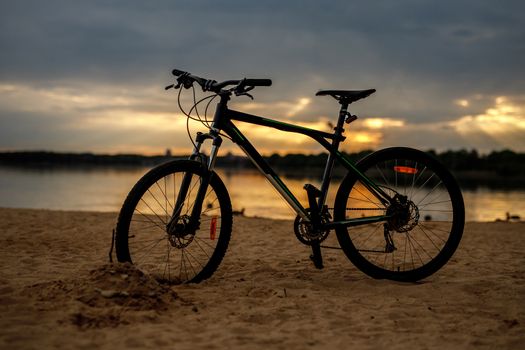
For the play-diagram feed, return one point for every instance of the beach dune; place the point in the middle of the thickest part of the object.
(58, 290)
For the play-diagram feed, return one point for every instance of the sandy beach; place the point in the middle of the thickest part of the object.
(57, 290)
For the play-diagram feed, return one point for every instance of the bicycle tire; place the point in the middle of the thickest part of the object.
(146, 212)
(441, 234)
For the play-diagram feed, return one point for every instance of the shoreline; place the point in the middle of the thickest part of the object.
(470, 180)
(91, 211)
(266, 293)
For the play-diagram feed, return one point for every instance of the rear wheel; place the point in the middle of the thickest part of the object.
(425, 222)
(168, 247)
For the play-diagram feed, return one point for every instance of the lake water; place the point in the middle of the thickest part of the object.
(104, 189)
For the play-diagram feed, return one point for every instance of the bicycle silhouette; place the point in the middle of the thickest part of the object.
(176, 221)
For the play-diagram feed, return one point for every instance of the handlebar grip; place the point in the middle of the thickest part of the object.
(177, 72)
(258, 82)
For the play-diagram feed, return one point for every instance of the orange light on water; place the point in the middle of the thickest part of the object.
(405, 170)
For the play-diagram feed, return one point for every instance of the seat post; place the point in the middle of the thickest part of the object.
(327, 175)
(342, 115)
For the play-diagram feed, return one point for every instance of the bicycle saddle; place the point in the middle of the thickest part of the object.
(346, 96)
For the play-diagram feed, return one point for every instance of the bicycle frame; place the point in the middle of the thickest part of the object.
(223, 122)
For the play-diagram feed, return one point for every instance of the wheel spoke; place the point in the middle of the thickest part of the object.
(416, 243)
(185, 256)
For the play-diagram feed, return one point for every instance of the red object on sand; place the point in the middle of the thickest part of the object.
(213, 228)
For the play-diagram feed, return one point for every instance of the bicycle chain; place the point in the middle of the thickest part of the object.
(366, 209)
(361, 209)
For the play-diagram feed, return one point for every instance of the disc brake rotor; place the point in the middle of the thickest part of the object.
(180, 236)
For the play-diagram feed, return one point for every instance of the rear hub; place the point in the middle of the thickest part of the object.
(403, 213)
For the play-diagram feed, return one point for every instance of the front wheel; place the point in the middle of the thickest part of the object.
(424, 223)
(157, 237)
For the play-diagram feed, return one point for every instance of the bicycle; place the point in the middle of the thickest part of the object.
(398, 213)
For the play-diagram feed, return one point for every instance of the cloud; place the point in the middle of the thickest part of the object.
(97, 58)
(382, 123)
(89, 118)
(503, 124)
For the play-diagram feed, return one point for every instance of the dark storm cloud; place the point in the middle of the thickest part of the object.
(420, 55)
(464, 43)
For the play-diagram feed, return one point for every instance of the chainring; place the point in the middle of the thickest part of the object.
(305, 232)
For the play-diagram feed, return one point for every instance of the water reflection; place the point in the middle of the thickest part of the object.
(104, 189)
(100, 189)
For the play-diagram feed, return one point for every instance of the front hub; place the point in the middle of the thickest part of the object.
(180, 232)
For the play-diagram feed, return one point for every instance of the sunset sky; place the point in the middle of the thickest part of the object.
(90, 75)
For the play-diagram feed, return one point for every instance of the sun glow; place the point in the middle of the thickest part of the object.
(380, 123)
(134, 120)
(364, 140)
(503, 123)
(65, 99)
(274, 109)
(301, 104)
(269, 140)
(106, 118)
(463, 103)
(497, 119)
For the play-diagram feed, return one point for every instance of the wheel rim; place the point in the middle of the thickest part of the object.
(153, 248)
(414, 237)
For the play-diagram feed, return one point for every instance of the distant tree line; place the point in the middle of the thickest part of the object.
(44, 158)
(503, 169)
(498, 168)
(307, 161)
(503, 163)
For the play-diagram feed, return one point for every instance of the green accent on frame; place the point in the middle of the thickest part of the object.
(238, 133)
(285, 124)
(349, 164)
(363, 177)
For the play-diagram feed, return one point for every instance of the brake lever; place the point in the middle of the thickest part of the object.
(184, 81)
(244, 94)
(169, 87)
(244, 91)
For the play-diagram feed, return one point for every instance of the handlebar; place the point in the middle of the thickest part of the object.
(258, 82)
(186, 79)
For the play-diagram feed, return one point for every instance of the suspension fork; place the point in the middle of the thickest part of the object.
(205, 179)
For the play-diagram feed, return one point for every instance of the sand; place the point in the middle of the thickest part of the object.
(57, 290)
